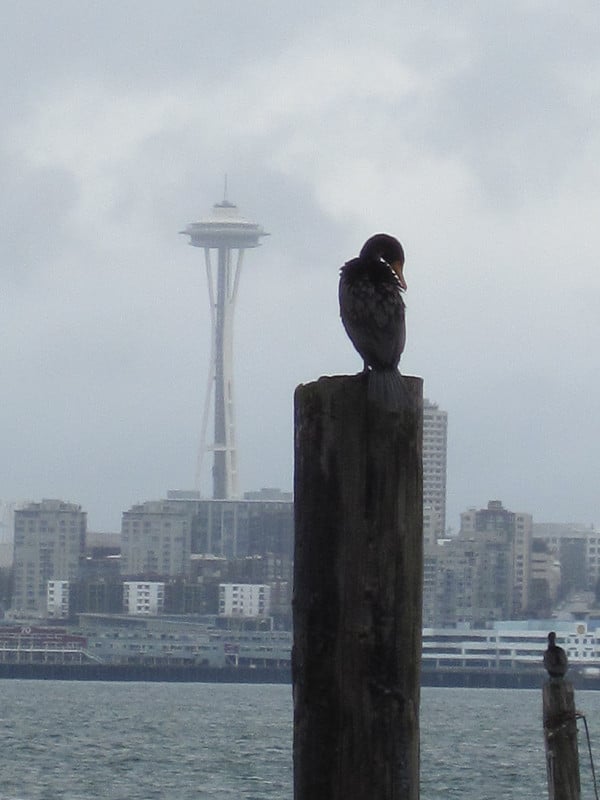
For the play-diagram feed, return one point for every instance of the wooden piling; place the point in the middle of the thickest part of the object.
(560, 738)
(357, 593)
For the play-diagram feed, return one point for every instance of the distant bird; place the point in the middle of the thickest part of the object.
(372, 312)
(555, 658)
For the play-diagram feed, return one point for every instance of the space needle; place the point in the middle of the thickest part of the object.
(230, 235)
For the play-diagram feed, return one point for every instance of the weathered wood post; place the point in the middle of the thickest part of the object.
(560, 738)
(357, 593)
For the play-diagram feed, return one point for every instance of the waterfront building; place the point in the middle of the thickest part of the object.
(276, 571)
(97, 596)
(481, 575)
(162, 537)
(467, 581)
(7, 513)
(6, 587)
(26, 644)
(515, 530)
(186, 641)
(239, 528)
(435, 442)
(266, 568)
(432, 525)
(102, 546)
(49, 542)
(510, 644)
(156, 538)
(209, 568)
(270, 495)
(244, 600)
(545, 578)
(143, 598)
(577, 548)
(58, 600)
(432, 588)
(100, 565)
(187, 596)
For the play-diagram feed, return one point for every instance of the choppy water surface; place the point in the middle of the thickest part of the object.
(140, 741)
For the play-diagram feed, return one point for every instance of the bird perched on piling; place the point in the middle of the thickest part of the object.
(372, 312)
(555, 658)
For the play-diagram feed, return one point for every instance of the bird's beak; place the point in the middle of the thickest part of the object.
(398, 267)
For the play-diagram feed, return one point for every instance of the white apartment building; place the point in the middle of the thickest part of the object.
(435, 438)
(143, 598)
(244, 600)
(57, 603)
(49, 541)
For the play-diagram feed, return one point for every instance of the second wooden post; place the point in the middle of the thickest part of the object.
(560, 737)
(357, 593)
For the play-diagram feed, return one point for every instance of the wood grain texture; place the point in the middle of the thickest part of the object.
(560, 737)
(357, 593)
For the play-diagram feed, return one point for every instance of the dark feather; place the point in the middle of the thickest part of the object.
(555, 658)
(373, 311)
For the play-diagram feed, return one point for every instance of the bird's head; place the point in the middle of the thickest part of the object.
(386, 248)
(552, 638)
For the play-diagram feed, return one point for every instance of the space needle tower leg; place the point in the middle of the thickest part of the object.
(225, 466)
(220, 488)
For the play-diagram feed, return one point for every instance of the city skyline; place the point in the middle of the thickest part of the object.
(470, 132)
(435, 448)
(500, 566)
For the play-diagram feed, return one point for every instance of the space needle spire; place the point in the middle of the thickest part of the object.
(229, 234)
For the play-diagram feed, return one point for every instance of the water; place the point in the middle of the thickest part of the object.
(126, 741)
(136, 741)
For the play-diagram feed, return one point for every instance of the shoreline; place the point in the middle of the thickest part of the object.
(442, 678)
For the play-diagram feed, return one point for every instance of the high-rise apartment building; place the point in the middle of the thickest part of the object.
(545, 578)
(516, 530)
(484, 573)
(156, 538)
(577, 548)
(431, 527)
(159, 537)
(49, 542)
(435, 437)
(467, 580)
(239, 528)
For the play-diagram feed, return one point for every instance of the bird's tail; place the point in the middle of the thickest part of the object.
(387, 389)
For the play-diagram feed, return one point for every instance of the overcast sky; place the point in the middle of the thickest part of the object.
(471, 130)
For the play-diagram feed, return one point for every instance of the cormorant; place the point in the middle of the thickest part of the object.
(555, 658)
(372, 312)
